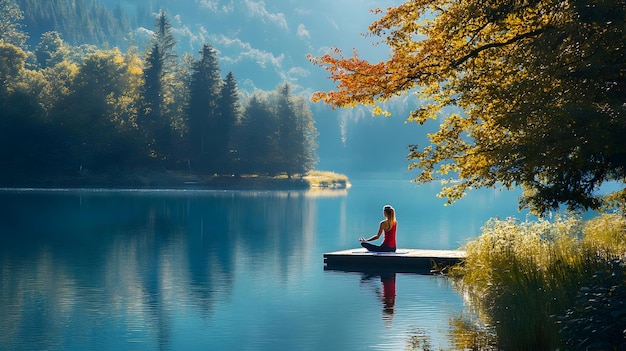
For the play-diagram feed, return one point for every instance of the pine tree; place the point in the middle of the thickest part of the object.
(228, 116)
(255, 141)
(159, 62)
(307, 136)
(151, 113)
(164, 37)
(204, 95)
(289, 145)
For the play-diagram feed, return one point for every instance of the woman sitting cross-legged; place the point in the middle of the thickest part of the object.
(387, 226)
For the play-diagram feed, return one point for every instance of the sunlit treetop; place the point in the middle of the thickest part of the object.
(540, 86)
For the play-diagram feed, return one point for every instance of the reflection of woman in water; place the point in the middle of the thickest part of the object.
(387, 226)
(389, 294)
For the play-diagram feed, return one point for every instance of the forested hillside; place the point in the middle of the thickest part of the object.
(91, 115)
(80, 21)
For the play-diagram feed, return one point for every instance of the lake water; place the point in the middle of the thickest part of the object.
(224, 270)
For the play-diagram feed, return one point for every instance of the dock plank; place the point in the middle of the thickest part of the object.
(409, 260)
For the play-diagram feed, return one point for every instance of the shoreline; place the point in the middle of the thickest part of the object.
(175, 180)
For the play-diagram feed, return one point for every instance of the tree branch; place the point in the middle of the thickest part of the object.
(475, 52)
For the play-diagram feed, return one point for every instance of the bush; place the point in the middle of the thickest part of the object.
(537, 282)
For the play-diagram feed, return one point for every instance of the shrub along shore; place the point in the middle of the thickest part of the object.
(547, 285)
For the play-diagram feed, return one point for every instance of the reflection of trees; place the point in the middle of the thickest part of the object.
(419, 340)
(117, 265)
(467, 334)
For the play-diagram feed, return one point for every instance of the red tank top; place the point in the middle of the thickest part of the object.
(390, 236)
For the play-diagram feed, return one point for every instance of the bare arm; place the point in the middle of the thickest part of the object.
(380, 232)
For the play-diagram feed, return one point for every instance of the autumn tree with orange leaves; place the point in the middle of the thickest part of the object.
(540, 87)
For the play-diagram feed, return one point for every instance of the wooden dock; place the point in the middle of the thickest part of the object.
(403, 260)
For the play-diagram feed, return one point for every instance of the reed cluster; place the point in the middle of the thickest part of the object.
(550, 284)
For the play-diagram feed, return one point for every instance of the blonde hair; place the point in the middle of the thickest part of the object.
(390, 212)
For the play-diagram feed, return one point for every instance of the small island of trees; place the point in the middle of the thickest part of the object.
(87, 116)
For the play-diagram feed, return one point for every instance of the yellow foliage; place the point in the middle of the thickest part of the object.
(379, 111)
(511, 69)
(12, 61)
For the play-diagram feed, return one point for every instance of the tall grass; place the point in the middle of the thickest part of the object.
(535, 282)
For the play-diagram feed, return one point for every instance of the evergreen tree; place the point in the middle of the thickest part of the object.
(289, 142)
(296, 134)
(256, 137)
(159, 63)
(151, 116)
(204, 95)
(296, 143)
(228, 116)
(164, 37)
(307, 134)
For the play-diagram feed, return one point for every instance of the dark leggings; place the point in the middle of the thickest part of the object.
(376, 248)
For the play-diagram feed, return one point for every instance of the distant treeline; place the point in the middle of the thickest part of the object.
(80, 21)
(80, 110)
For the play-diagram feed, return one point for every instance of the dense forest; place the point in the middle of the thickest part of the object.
(75, 112)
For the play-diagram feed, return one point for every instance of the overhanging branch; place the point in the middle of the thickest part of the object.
(475, 52)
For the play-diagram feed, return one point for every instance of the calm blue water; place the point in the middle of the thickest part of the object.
(223, 270)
